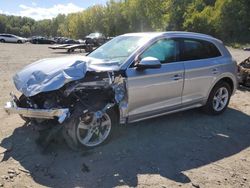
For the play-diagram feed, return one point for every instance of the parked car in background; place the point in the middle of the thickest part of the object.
(128, 79)
(42, 40)
(12, 38)
(64, 40)
(97, 39)
(71, 41)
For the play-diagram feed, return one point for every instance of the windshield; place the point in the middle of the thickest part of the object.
(118, 49)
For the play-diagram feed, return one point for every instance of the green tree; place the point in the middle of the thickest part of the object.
(226, 19)
(3, 20)
(25, 31)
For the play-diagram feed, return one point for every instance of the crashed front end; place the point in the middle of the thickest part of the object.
(56, 94)
(59, 104)
(12, 107)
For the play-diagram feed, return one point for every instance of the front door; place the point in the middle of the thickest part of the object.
(152, 92)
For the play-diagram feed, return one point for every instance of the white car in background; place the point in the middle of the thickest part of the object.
(12, 38)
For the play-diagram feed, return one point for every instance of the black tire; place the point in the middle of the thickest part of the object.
(209, 107)
(71, 138)
(19, 42)
(22, 103)
(2, 40)
(71, 50)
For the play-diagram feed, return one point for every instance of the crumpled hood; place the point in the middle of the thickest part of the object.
(53, 73)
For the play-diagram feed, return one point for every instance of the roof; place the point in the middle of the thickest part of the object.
(173, 34)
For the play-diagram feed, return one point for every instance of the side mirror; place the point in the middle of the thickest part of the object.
(149, 63)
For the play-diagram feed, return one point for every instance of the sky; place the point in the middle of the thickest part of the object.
(45, 9)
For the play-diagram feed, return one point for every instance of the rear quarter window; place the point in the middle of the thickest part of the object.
(193, 49)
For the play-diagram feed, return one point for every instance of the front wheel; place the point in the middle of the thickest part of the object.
(71, 50)
(218, 99)
(89, 131)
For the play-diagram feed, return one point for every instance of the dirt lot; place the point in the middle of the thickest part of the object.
(188, 149)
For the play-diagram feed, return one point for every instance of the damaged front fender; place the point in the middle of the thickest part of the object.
(119, 87)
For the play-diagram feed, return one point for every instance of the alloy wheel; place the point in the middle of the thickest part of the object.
(220, 99)
(92, 132)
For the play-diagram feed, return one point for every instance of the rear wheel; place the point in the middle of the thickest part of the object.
(2, 40)
(218, 99)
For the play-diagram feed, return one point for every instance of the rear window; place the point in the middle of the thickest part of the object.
(7, 36)
(198, 49)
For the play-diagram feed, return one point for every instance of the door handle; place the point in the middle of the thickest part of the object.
(176, 77)
(215, 71)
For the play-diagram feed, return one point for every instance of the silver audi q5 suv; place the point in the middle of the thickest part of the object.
(130, 78)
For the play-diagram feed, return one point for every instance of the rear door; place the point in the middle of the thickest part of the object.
(155, 91)
(6, 38)
(10, 38)
(201, 64)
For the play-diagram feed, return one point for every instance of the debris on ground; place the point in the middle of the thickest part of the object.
(85, 168)
(244, 72)
(195, 185)
(24, 170)
(11, 174)
(246, 49)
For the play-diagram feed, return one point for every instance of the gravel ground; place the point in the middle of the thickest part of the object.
(187, 149)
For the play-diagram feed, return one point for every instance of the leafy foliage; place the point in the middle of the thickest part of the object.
(226, 19)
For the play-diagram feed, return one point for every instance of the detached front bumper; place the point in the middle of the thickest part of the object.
(12, 108)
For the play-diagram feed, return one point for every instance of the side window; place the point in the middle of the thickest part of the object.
(165, 50)
(212, 50)
(197, 49)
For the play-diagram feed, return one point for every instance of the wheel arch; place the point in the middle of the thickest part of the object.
(228, 78)
(229, 81)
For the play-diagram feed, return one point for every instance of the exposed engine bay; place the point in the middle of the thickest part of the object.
(94, 93)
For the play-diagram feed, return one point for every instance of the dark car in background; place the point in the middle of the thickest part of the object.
(64, 40)
(71, 41)
(42, 40)
(97, 39)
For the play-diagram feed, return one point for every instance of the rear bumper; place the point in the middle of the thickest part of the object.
(61, 114)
